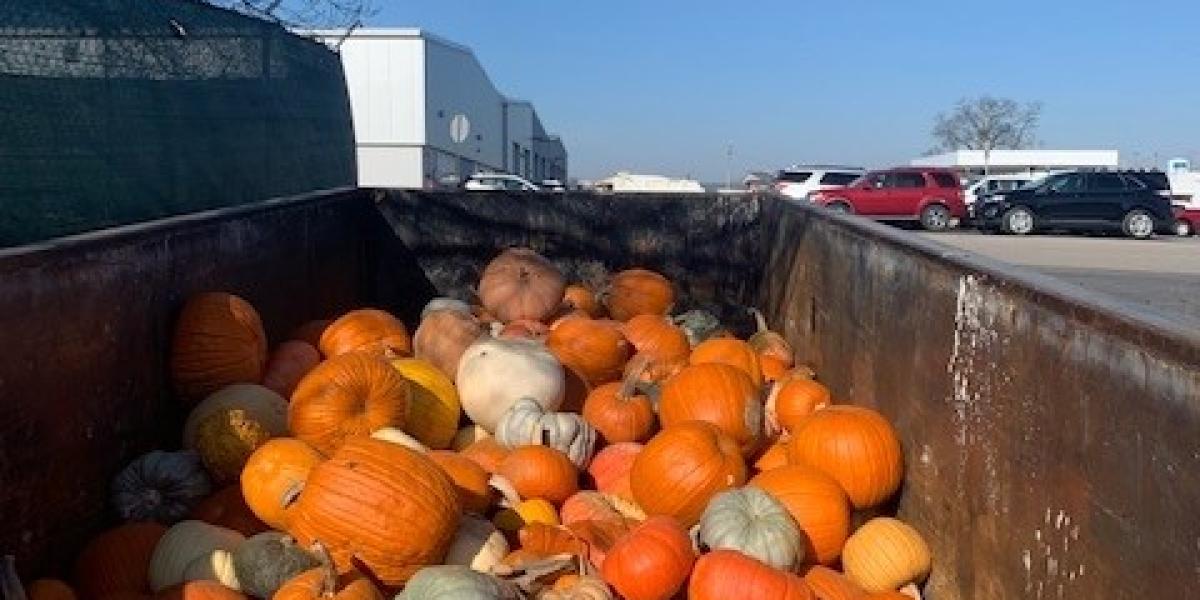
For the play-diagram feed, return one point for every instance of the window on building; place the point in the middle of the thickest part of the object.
(516, 158)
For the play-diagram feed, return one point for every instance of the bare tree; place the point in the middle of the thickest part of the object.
(987, 123)
(306, 14)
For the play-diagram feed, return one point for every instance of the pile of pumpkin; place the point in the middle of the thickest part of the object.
(550, 443)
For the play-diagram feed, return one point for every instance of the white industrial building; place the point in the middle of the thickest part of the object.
(426, 114)
(974, 162)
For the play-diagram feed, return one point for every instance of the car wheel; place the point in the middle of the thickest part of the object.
(935, 217)
(840, 206)
(1138, 224)
(1183, 228)
(1017, 220)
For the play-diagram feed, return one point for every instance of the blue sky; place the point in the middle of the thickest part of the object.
(664, 86)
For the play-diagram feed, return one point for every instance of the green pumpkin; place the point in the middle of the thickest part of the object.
(458, 582)
(752, 522)
(264, 562)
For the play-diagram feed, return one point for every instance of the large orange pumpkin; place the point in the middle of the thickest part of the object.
(792, 399)
(651, 562)
(378, 505)
(619, 413)
(683, 467)
(117, 560)
(817, 504)
(289, 363)
(485, 452)
(540, 472)
(828, 584)
(594, 348)
(854, 445)
(521, 284)
(199, 590)
(366, 329)
(469, 478)
(725, 574)
(228, 509)
(729, 351)
(639, 292)
(718, 394)
(611, 467)
(320, 584)
(349, 395)
(274, 476)
(579, 297)
(218, 340)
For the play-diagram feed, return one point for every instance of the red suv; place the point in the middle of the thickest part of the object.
(932, 196)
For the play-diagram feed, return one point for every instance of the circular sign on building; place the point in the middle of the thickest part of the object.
(460, 128)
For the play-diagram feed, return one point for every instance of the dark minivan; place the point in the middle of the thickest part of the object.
(1136, 203)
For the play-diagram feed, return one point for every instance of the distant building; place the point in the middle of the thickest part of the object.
(630, 182)
(971, 162)
(426, 114)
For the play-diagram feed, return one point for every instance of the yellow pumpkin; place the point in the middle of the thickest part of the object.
(434, 408)
(885, 554)
(534, 510)
(226, 439)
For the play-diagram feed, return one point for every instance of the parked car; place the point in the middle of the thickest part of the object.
(553, 185)
(932, 196)
(497, 182)
(798, 182)
(1187, 220)
(995, 184)
(1127, 201)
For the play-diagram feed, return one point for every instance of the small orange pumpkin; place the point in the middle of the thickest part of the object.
(792, 399)
(817, 504)
(854, 445)
(657, 338)
(579, 297)
(619, 413)
(540, 472)
(350, 395)
(775, 355)
(719, 394)
(774, 457)
(594, 348)
(651, 562)
(274, 476)
(218, 340)
(611, 466)
(683, 467)
(366, 329)
(729, 351)
(469, 478)
(639, 292)
(322, 583)
(485, 452)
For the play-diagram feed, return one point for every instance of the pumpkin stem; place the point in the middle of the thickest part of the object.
(633, 375)
(759, 319)
(511, 499)
(329, 579)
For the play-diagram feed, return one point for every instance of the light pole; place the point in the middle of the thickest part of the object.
(729, 166)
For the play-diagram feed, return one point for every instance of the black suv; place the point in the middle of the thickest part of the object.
(1137, 203)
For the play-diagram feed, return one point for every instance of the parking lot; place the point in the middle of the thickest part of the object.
(1162, 274)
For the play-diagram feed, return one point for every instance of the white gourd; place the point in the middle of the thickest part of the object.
(494, 373)
(527, 424)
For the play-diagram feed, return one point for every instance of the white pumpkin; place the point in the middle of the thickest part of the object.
(215, 566)
(478, 544)
(397, 436)
(441, 582)
(181, 545)
(750, 521)
(444, 303)
(494, 373)
(527, 424)
(265, 406)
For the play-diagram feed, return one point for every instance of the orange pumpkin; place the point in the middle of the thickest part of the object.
(521, 284)
(773, 369)
(588, 505)
(378, 505)
(828, 584)
(199, 590)
(579, 297)
(289, 363)
(683, 467)
(657, 338)
(652, 562)
(321, 584)
(724, 574)
(228, 509)
(540, 472)
(817, 504)
(619, 413)
(368, 330)
(49, 589)
(117, 560)
(792, 399)
(310, 332)
(774, 353)
(854, 445)
(274, 476)
(715, 393)
(469, 478)
(611, 467)
(888, 595)
(774, 457)
(599, 536)
(218, 340)
(729, 351)
(548, 540)
(443, 336)
(595, 348)
(639, 292)
(485, 452)
(349, 395)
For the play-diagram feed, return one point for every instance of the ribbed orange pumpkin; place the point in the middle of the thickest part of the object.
(715, 393)
(49, 589)
(725, 574)
(228, 509)
(218, 340)
(380, 505)
(349, 395)
(117, 560)
(310, 332)
(469, 478)
(594, 348)
(854, 445)
(619, 413)
(828, 584)
(548, 540)
(792, 399)
(199, 590)
(485, 452)
(521, 284)
(652, 562)
(683, 467)
(289, 363)
(580, 297)
(817, 504)
(540, 472)
(774, 457)
(729, 351)
(657, 338)
(368, 330)
(639, 292)
(319, 584)
(589, 505)
(611, 467)
(274, 476)
(443, 336)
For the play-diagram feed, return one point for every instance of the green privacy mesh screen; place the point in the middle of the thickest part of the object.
(119, 111)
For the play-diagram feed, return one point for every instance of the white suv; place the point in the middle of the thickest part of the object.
(493, 182)
(799, 181)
